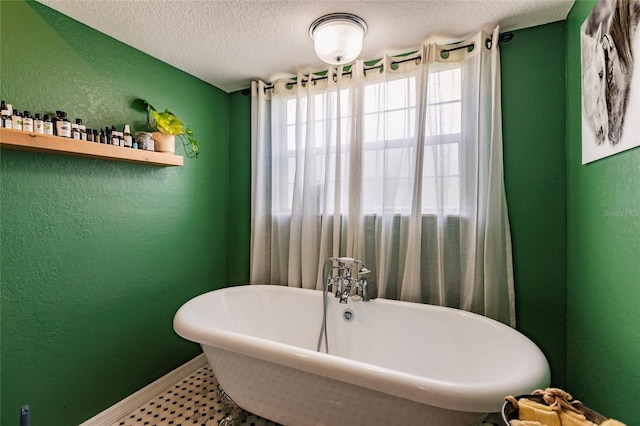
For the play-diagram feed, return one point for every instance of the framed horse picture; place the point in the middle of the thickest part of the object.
(610, 44)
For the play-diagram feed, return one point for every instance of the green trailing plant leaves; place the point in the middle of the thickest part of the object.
(167, 123)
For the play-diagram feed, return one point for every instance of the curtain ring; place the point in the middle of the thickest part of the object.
(418, 60)
(488, 43)
(335, 77)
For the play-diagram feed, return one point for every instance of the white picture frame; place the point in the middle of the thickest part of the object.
(610, 77)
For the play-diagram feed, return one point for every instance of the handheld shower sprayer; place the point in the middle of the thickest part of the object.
(351, 261)
(363, 270)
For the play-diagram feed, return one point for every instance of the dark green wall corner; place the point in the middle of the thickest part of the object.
(575, 263)
(239, 187)
(533, 92)
(97, 256)
(603, 271)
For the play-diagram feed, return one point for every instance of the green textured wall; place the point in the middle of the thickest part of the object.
(533, 110)
(603, 284)
(97, 256)
(239, 187)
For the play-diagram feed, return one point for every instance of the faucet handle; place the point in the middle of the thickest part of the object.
(363, 289)
(344, 297)
(338, 284)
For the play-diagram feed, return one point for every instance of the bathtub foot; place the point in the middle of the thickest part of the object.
(232, 413)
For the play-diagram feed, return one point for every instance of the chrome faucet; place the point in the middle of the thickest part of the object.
(341, 282)
(344, 297)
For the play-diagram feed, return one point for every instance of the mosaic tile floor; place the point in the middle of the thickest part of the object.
(194, 400)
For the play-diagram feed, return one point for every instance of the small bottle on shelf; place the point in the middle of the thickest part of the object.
(115, 140)
(5, 116)
(126, 137)
(82, 129)
(17, 119)
(38, 124)
(48, 125)
(56, 118)
(63, 126)
(75, 131)
(27, 121)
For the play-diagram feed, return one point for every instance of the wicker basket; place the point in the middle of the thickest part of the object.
(509, 412)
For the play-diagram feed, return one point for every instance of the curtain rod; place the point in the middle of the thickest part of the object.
(504, 37)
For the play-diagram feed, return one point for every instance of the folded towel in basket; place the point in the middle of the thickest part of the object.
(534, 411)
(516, 422)
(570, 418)
(560, 411)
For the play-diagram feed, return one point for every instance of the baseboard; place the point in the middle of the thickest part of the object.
(139, 398)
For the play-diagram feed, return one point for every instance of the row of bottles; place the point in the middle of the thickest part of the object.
(14, 119)
(60, 125)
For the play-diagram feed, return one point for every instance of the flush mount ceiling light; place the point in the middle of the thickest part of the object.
(337, 37)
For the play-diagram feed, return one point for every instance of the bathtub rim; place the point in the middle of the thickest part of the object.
(472, 397)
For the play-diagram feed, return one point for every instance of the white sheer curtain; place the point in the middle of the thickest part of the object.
(399, 166)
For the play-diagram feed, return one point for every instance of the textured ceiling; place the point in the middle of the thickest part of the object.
(230, 42)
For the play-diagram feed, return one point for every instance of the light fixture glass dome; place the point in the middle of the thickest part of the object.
(337, 37)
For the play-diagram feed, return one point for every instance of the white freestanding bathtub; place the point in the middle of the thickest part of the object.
(394, 363)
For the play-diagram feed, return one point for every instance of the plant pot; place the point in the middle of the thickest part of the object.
(164, 143)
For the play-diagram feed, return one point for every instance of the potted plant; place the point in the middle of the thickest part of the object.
(166, 126)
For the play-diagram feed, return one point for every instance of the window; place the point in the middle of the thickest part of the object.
(388, 137)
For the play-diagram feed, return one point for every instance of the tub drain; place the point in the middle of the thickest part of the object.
(348, 315)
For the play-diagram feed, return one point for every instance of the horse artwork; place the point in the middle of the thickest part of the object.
(609, 43)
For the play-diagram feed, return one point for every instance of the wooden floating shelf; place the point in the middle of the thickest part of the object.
(36, 142)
